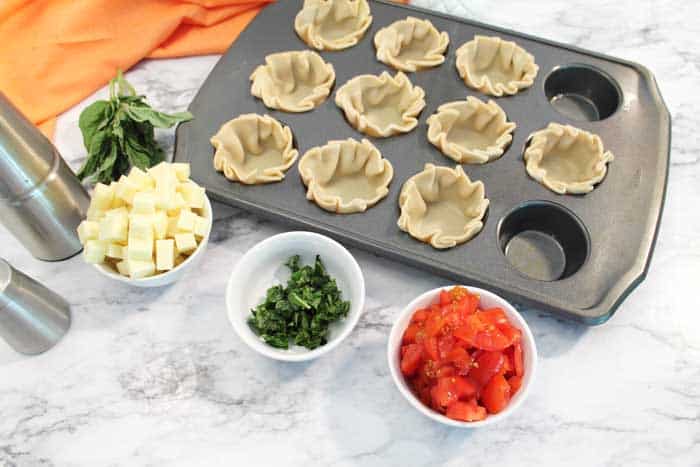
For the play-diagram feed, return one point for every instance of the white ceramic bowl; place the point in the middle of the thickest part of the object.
(174, 274)
(263, 266)
(488, 300)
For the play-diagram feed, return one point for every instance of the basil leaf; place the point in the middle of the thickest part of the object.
(105, 170)
(119, 133)
(92, 119)
(155, 118)
(138, 155)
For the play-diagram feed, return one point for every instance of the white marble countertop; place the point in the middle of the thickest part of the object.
(157, 377)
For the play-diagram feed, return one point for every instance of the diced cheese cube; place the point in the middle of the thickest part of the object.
(186, 220)
(116, 251)
(94, 214)
(163, 173)
(175, 204)
(102, 197)
(88, 230)
(164, 196)
(165, 254)
(140, 249)
(95, 251)
(123, 268)
(192, 193)
(125, 190)
(144, 203)
(172, 227)
(201, 226)
(141, 269)
(141, 179)
(121, 212)
(182, 171)
(141, 227)
(116, 201)
(114, 228)
(160, 225)
(185, 242)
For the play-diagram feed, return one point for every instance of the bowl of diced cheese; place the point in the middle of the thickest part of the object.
(147, 228)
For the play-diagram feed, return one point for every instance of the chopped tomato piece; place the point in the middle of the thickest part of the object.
(445, 297)
(496, 394)
(420, 315)
(468, 331)
(445, 371)
(494, 316)
(507, 368)
(444, 392)
(433, 325)
(445, 345)
(431, 348)
(411, 359)
(461, 359)
(465, 387)
(420, 336)
(515, 382)
(486, 366)
(465, 412)
(457, 293)
(409, 336)
(491, 338)
(451, 319)
(467, 305)
(430, 370)
(518, 359)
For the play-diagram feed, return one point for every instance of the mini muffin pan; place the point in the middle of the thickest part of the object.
(575, 256)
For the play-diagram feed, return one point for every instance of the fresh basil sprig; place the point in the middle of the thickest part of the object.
(119, 133)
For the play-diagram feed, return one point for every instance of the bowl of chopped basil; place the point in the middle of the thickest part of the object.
(295, 296)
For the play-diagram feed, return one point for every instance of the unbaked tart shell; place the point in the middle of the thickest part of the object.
(411, 44)
(381, 106)
(566, 159)
(442, 206)
(495, 66)
(345, 176)
(333, 24)
(294, 81)
(470, 131)
(253, 149)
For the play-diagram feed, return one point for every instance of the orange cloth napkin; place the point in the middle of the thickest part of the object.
(55, 53)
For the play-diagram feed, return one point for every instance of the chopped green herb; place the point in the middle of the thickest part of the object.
(301, 312)
(118, 133)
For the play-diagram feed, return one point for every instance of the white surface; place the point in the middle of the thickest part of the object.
(264, 266)
(176, 273)
(487, 300)
(156, 376)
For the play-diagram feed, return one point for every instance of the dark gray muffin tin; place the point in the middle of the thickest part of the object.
(575, 256)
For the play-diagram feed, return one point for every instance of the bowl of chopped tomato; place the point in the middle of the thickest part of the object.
(462, 356)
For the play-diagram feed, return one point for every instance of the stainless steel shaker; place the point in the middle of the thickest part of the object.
(41, 200)
(32, 318)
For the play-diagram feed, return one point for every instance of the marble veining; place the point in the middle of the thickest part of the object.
(157, 377)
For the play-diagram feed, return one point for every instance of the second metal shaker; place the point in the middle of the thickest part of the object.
(32, 318)
(41, 200)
